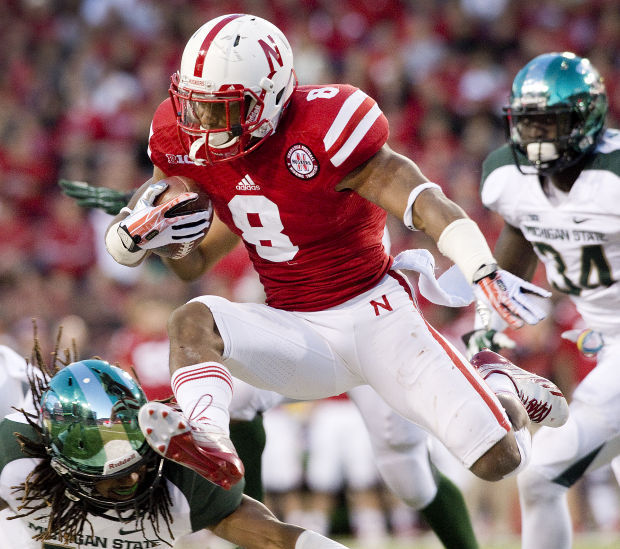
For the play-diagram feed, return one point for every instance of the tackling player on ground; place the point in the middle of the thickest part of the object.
(77, 470)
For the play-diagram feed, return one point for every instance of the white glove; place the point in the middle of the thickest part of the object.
(149, 226)
(516, 300)
(589, 342)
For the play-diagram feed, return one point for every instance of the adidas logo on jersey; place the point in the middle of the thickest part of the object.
(246, 184)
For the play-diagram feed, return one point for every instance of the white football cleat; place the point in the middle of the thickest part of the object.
(544, 402)
(210, 454)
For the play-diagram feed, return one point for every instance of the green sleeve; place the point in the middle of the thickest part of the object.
(208, 503)
(249, 440)
(609, 161)
(9, 447)
(496, 159)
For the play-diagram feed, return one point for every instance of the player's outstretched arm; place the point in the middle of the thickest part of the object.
(395, 183)
(254, 526)
(89, 196)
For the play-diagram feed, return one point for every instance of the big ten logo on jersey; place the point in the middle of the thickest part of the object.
(178, 159)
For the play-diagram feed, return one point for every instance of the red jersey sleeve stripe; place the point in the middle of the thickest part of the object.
(355, 117)
(356, 136)
(343, 118)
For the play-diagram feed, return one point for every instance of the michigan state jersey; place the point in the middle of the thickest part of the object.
(196, 503)
(576, 234)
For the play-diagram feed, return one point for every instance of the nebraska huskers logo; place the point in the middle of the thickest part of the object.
(301, 162)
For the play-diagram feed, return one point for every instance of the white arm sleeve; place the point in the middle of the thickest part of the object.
(463, 242)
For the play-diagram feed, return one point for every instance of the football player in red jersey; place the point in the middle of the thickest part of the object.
(303, 175)
(400, 447)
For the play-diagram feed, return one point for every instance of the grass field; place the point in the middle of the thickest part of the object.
(589, 541)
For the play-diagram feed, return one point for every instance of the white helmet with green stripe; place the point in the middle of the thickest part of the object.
(90, 421)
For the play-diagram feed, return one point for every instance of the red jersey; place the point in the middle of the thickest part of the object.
(313, 247)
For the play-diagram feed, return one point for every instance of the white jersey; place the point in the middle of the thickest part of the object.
(576, 235)
(196, 504)
(106, 532)
(13, 380)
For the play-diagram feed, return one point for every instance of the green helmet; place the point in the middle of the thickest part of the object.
(90, 422)
(558, 89)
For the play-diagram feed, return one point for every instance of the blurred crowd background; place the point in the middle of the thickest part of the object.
(80, 80)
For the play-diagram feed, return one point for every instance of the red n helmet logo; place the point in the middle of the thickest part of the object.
(271, 53)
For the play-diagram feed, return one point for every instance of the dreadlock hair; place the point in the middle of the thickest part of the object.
(44, 489)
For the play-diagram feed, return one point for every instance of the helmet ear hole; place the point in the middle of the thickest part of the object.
(279, 96)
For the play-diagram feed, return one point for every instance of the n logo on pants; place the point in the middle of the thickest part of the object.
(385, 305)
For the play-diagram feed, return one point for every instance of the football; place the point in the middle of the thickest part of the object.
(177, 185)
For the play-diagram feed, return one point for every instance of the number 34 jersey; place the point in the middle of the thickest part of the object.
(576, 235)
(312, 246)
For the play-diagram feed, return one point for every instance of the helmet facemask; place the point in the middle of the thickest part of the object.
(551, 139)
(82, 486)
(213, 123)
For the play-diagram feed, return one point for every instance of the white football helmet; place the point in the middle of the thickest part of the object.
(235, 80)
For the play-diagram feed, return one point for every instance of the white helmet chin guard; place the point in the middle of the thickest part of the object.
(236, 78)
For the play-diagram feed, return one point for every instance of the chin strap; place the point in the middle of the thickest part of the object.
(195, 147)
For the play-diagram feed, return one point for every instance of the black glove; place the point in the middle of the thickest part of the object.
(87, 196)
